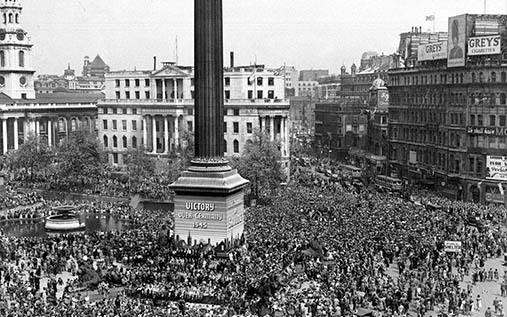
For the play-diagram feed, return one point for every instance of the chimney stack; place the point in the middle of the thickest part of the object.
(232, 59)
(154, 63)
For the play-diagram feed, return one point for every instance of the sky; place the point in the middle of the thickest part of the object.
(307, 34)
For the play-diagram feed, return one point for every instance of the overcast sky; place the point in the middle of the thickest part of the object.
(316, 34)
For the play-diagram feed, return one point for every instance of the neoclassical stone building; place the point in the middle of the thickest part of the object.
(153, 108)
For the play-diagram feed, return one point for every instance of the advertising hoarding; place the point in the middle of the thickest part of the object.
(484, 45)
(456, 41)
(433, 51)
(496, 167)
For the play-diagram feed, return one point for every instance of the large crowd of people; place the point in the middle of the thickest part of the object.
(318, 249)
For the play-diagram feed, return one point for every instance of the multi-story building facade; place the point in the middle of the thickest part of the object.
(447, 112)
(153, 108)
(23, 112)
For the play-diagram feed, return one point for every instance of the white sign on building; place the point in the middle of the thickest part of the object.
(433, 51)
(496, 167)
(484, 45)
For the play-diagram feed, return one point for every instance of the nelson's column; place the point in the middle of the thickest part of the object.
(208, 205)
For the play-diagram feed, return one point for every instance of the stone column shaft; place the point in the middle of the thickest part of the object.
(154, 133)
(209, 86)
(176, 133)
(145, 134)
(16, 137)
(50, 133)
(166, 135)
(4, 136)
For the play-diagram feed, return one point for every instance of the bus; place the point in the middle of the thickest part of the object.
(351, 171)
(383, 182)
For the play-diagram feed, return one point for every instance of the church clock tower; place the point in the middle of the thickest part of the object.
(16, 73)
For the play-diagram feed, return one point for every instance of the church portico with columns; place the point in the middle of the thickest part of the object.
(50, 123)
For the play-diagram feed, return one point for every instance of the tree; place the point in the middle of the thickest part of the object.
(139, 166)
(260, 164)
(79, 159)
(31, 157)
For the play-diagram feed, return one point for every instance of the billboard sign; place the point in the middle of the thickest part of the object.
(484, 45)
(496, 167)
(452, 246)
(456, 41)
(433, 51)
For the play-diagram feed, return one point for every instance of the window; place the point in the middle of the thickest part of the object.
(479, 120)
(115, 158)
(502, 120)
(21, 59)
(225, 146)
(147, 95)
(114, 125)
(134, 111)
(249, 128)
(190, 112)
(259, 94)
(138, 95)
(115, 141)
(271, 94)
(472, 119)
(136, 81)
(73, 124)
(127, 94)
(227, 94)
(134, 125)
(259, 81)
(227, 81)
(192, 82)
(235, 127)
(271, 81)
(118, 95)
(2, 58)
(493, 77)
(104, 124)
(115, 110)
(124, 142)
(250, 94)
(236, 146)
(492, 120)
(190, 126)
(124, 125)
(503, 77)
(147, 82)
(117, 83)
(127, 82)
(502, 99)
(225, 127)
(105, 141)
(124, 110)
(134, 142)
(236, 112)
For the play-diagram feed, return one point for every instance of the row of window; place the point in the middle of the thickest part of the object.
(119, 110)
(443, 98)
(137, 82)
(251, 80)
(227, 81)
(123, 125)
(453, 118)
(453, 78)
(21, 58)
(235, 127)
